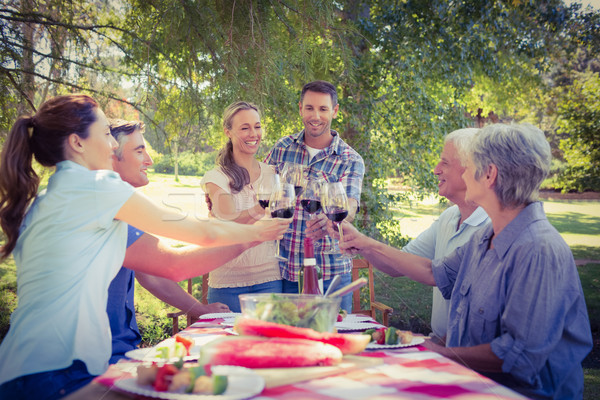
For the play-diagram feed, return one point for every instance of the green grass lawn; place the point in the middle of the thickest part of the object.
(578, 222)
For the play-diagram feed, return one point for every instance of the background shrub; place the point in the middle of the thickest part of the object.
(190, 163)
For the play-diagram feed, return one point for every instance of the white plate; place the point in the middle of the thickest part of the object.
(357, 318)
(150, 353)
(242, 384)
(356, 326)
(219, 315)
(374, 346)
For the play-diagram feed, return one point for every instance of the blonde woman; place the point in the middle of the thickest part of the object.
(232, 190)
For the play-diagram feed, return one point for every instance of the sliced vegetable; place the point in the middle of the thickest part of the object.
(391, 337)
(162, 352)
(379, 336)
(195, 373)
(219, 384)
(187, 343)
(369, 332)
(163, 377)
(146, 374)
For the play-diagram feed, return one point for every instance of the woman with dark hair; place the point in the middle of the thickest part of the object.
(232, 192)
(69, 242)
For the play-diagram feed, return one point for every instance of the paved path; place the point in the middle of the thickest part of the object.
(585, 262)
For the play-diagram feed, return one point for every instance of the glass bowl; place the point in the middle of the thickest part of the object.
(302, 310)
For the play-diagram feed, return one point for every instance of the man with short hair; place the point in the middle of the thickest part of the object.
(455, 226)
(131, 161)
(324, 155)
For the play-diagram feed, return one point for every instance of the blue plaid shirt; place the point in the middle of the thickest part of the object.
(338, 162)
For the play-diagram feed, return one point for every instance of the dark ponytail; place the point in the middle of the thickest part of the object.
(52, 124)
(18, 182)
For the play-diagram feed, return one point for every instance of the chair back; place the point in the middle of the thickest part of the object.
(357, 266)
(374, 306)
(203, 299)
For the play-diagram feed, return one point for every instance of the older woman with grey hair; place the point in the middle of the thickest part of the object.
(517, 310)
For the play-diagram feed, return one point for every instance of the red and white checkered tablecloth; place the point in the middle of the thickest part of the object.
(406, 373)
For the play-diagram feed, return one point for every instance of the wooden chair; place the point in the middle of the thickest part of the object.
(357, 266)
(203, 299)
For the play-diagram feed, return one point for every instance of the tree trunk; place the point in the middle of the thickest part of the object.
(176, 160)
(27, 64)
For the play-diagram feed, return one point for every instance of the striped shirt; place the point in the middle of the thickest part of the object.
(337, 162)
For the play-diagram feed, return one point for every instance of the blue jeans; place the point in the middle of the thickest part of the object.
(230, 297)
(49, 385)
(292, 287)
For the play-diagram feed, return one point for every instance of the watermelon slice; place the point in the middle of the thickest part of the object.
(347, 343)
(260, 352)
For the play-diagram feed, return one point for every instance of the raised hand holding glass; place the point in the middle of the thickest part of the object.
(282, 205)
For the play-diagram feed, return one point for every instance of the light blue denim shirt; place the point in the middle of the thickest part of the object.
(524, 297)
(69, 249)
(439, 240)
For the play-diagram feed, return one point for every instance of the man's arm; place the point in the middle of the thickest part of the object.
(156, 257)
(479, 358)
(392, 261)
(171, 293)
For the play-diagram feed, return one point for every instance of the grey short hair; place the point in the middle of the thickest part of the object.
(461, 139)
(121, 129)
(522, 155)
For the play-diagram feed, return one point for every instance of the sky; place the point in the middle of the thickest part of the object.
(594, 3)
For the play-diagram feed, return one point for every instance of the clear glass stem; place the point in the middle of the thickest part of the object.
(339, 226)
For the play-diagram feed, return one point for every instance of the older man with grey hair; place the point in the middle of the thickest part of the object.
(455, 226)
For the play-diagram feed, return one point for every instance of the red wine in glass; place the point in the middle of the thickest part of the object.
(336, 207)
(310, 206)
(336, 214)
(283, 213)
(298, 190)
(264, 203)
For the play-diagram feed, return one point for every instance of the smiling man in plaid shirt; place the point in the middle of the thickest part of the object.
(326, 156)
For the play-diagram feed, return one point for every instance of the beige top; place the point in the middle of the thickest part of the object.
(257, 264)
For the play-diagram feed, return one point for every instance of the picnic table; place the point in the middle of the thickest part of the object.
(402, 373)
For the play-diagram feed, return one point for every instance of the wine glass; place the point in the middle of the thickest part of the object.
(311, 196)
(265, 188)
(311, 202)
(294, 174)
(335, 204)
(282, 205)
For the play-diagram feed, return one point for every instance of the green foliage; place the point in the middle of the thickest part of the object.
(579, 123)
(8, 293)
(151, 315)
(590, 279)
(190, 163)
(591, 383)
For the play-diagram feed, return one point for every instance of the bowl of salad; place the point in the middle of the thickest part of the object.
(301, 310)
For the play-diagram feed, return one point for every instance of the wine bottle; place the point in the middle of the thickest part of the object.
(310, 275)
